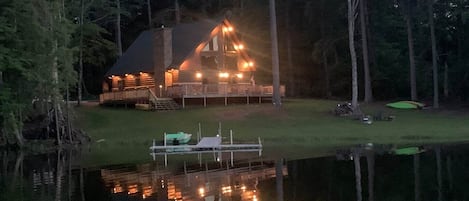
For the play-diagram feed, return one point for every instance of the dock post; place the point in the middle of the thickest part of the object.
(153, 145)
(199, 134)
(231, 142)
(219, 129)
(165, 139)
(260, 146)
(183, 103)
(205, 101)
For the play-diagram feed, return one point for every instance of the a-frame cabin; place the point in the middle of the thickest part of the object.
(201, 60)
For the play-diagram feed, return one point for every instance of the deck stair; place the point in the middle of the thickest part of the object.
(162, 104)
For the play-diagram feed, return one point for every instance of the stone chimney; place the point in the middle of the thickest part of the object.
(162, 54)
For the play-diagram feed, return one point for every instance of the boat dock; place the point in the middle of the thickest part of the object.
(212, 145)
(206, 144)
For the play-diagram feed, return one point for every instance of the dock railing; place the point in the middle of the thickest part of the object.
(195, 90)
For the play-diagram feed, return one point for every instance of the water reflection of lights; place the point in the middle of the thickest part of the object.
(226, 189)
(254, 198)
(117, 189)
(131, 189)
(243, 188)
(201, 192)
(147, 191)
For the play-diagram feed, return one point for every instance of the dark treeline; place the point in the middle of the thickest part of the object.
(313, 43)
(53, 51)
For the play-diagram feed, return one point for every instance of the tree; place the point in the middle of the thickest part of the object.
(409, 13)
(366, 65)
(150, 25)
(352, 14)
(434, 54)
(275, 63)
(118, 29)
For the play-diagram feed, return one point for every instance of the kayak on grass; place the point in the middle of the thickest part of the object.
(406, 105)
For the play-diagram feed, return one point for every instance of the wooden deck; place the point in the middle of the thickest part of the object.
(195, 90)
(183, 92)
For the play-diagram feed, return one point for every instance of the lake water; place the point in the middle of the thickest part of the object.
(366, 172)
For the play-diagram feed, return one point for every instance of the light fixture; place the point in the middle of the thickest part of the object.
(161, 86)
(230, 28)
(198, 75)
(246, 64)
(251, 63)
(126, 74)
(223, 75)
(240, 46)
(239, 75)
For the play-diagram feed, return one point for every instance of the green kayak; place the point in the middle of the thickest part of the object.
(408, 151)
(406, 105)
(178, 138)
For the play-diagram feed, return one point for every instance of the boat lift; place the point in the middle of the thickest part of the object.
(204, 145)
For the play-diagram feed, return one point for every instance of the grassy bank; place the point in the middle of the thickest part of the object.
(301, 128)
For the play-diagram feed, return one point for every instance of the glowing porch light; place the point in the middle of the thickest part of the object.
(126, 75)
(239, 75)
(198, 75)
(223, 75)
(246, 64)
(251, 64)
(110, 77)
(240, 46)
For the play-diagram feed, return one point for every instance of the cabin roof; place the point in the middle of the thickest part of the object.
(185, 38)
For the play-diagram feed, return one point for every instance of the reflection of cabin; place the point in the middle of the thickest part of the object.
(203, 183)
(200, 60)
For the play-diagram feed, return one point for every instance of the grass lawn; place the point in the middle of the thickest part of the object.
(301, 128)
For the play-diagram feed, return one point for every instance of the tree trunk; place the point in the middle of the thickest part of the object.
(1, 79)
(358, 174)
(69, 175)
(275, 62)
(291, 71)
(352, 7)
(18, 164)
(417, 177)
(445, 83)
(370, 160)
(80, 69)
(327, 85)
(325, 52)
(118, 29)
(12, 126)
(449, 172)
(279, 178)
(177, 12)
(366, 65)
(434, 55)
(410, 42)
(438, 173)
(82, 185)
(58, 181)
(150, 24)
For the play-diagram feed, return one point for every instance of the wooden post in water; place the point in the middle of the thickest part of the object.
(231, 142)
